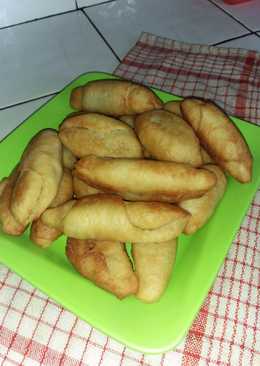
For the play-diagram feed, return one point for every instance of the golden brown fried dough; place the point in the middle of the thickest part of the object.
(201, 209)
(142, 180)
(106, 263)
(153, 267)
(220, 137)
(108, 217)
(8, 222)
(167, 136)
(174, 106)
(3, 184)
(82, 189)
(128, 119)
(114, 97)
(147, 155)
(39, 175)
(206, 158)
(42, 234)
(54, 217)
(92, 133)
(65, 190)
(68, 159)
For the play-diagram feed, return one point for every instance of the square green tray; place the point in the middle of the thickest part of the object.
(150, 328)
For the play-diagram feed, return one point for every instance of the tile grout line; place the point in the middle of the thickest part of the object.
(77, 8)
(27, 101)
(230, 15)
(232, 39)
(38, 19)
(30, 114)
(101, 3)
(101, 35)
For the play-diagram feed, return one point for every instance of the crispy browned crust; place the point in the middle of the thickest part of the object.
(202, 208)
(93, 133)
(118, 98)
(206, 158)
(143, 179)
(43, 235)
(54, 217)
(220, 137)
(39, 174)
(65, 190)
(108, 217)
(174, 106)
(105, 263)
(153, 267)
(8, 222)
(82, 189)
(68, 159)
(128, 119)
(3, 184)
(167, 136)
(76, 97)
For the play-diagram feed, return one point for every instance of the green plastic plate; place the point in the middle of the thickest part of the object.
(148, 328)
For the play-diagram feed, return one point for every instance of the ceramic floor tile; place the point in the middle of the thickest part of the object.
(12, 117)
(82, 3)
(251, 42)
(17, 11)
(248, 13)
(185, 20)
(41, 57)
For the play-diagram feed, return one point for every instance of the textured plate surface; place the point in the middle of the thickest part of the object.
(150, 328)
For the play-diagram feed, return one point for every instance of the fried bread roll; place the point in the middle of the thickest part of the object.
(65, 190)
(136, 179)
(8, 222)
(167, 136)
(68, 159)
(108, 217)
(42, 234)
(106, 263)
(128, 119)
(220, 137)
(201, 209)
(3, 184)
(54, 217)
(92, 133)
(174, 106)
(114, 97)
(39, 175)
(206, 158)
(153, 267)
(82, 189)
(147, 155)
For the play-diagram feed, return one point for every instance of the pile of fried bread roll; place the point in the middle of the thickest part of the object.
(124, 167)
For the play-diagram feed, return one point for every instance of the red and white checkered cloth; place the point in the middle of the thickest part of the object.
(34, 330)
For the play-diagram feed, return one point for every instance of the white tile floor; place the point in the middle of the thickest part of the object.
(39, 58)
(122, 21)
(247, 13)
(18, 11)
(11, 117)
(46, 43)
